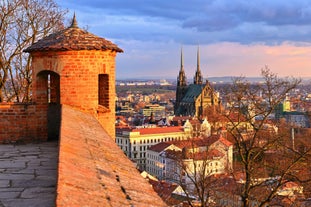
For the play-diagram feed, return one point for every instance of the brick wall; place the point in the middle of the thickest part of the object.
(22, 122)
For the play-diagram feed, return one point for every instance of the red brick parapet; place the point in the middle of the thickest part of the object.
(22, 122)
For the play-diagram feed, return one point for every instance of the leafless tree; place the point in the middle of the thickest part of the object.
(267, 159)
(194, 171)
(23, 22)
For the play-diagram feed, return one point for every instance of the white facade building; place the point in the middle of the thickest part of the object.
(135, 142)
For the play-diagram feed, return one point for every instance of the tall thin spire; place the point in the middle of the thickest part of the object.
(181, 60)
(181, 79)
(74, 23)
(198, 59)
(198, 79)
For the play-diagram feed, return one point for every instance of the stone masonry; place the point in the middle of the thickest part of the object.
(28, 175)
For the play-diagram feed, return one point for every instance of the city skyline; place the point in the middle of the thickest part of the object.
(235, 37)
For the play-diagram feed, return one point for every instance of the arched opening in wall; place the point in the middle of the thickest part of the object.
(48, 92)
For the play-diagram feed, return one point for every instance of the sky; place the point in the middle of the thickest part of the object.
(235, 37)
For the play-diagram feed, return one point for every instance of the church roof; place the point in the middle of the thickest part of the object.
(72, 38)
(193, 91)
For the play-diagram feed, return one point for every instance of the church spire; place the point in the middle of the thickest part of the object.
(74, 23)
(198, 79)
(181, 79)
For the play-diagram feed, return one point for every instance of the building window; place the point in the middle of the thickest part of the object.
(103, 90)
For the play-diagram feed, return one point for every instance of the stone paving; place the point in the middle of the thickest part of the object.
(28, 175)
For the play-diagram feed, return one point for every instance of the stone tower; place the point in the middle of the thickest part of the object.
(76, 68)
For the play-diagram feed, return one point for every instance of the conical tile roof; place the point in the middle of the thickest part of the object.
(72, 38)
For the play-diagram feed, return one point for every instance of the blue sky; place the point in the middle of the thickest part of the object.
(236, 37)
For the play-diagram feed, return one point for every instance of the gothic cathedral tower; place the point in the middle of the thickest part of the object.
(192, 99)
(181, 83)
(198, 79)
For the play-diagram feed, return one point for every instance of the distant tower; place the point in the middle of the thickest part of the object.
(181, 83)
(198, 79)
(75, 68)
(181, 79)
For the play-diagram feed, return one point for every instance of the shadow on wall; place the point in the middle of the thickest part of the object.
(54, 120)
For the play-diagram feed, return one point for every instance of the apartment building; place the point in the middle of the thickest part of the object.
(135, 141)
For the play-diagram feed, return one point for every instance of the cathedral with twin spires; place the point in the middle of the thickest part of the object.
(193, 99)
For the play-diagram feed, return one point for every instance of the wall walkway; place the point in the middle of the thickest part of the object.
(93, 171)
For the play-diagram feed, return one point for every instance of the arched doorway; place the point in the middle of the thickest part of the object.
(48, 88)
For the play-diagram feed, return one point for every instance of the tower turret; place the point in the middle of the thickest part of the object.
(76, 68)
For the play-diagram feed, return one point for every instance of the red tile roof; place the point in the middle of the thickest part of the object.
(225, 142)
(207, 141)
(159, 130)
(165, 191)
(160, 147)
(72, 38)
(193, 142)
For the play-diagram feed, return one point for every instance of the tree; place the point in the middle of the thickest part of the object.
(192, 174)
(23, 22)
(268, 161)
